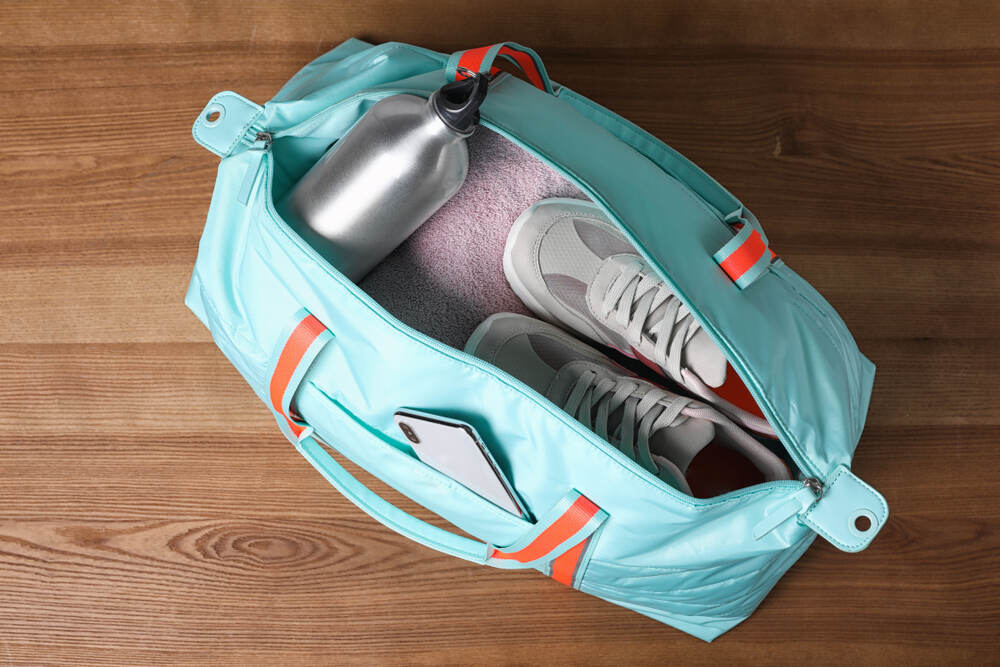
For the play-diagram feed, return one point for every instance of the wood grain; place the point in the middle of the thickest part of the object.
(151, 514)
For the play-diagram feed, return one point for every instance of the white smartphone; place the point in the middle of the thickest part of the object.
(455, 449)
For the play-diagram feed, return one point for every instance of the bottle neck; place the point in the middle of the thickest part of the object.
(432, 110)
(457, 104)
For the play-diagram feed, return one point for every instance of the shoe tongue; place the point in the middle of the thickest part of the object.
(609, 271)
(680, 444)
(704, 357)
(700, 353)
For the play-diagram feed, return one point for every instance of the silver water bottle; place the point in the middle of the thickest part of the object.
(375, 186)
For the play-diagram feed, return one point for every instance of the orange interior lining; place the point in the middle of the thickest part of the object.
(734, 391)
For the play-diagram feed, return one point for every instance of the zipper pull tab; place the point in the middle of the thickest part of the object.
(265, 138)
(810, 494)
(261, 145)
(850, 513)
(221, 125)
(815, 486)
(847, 512)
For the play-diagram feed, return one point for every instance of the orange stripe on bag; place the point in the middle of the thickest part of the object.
(774, 255)
(744, 257)
(563, 528)
(472, 59)
(295, 428)
(564, 567)
(527, 64)
(295, 348)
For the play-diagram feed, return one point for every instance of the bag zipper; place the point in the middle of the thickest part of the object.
(264, 138)
(801, 460)
(262, 141)
(798, 503)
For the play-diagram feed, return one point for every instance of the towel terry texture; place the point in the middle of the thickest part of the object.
(448, 276)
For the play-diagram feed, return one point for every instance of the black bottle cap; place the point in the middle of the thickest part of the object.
(457, 104)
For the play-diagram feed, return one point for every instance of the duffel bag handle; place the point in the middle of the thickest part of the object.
(385, 512)
(556, 542)
(480, 60)
(747, 255)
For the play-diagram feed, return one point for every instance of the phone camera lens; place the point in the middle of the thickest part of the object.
(408, 432)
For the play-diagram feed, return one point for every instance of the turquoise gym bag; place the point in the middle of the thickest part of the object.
(296, 328)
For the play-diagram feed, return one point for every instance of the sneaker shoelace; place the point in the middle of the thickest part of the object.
(596, 401)
(638, 302)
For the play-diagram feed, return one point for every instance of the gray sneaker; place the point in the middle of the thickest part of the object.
(570, 265)
(661, 431)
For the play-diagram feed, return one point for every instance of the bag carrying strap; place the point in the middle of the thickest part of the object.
(303, 342)
(566, 569)
(557, 541)
(480, 60)
(568, 524)
(746, 256)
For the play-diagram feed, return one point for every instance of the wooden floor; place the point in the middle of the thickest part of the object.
(151, 513)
